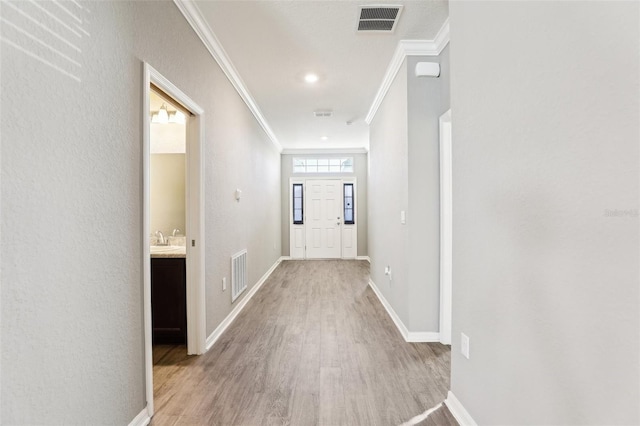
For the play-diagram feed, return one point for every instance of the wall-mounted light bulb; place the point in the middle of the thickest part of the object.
(162, 116)
(177, 117)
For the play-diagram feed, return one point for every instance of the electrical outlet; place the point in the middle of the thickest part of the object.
(224, 283)
(464, 345)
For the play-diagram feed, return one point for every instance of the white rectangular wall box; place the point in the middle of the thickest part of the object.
(427, 69)
(464, 345)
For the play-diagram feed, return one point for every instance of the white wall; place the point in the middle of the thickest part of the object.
(546, 114)
(71, 313)
(360, 165)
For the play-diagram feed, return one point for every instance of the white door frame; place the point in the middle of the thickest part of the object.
(292, 228)
(304, 181)
(446, 228)
(194, 191)
(356, 206)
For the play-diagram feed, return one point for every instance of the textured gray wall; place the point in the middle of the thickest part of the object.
(405, 175)
(428, 100)
(388, 195)
(72, 326)
(545, 150)
(360, 166)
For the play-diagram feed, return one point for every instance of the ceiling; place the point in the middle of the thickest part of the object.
(274, 44)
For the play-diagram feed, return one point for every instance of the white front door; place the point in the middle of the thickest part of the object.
(323, 219)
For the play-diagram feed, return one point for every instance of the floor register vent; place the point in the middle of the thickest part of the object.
(378, 18)
(238, 274)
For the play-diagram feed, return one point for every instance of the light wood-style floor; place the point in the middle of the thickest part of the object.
(313, 347)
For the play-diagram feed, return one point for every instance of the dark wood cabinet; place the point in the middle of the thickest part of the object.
(169, 301)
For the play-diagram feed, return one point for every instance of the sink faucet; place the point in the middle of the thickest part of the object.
(176, 232)
(161, 239)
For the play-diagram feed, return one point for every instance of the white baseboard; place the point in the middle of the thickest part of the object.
(409, 336)
(241, 304)
(459, 412)
(363, 258)
(396, 319)
(142, 419)
(423, 336)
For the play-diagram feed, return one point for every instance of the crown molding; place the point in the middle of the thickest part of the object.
(326, 151)
(194, 17)
(407, 48)
(442, 38)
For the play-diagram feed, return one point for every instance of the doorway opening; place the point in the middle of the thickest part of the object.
(173, 221)
(167, 241)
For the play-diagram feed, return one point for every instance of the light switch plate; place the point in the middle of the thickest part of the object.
(464, 345)
(224, 283)
(403, 217)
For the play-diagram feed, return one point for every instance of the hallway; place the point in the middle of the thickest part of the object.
(313, 346)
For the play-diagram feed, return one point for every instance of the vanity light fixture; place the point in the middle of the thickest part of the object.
(324, 138)
(177, 117)
(162, 116)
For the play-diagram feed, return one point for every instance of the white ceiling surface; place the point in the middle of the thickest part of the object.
(273, 44)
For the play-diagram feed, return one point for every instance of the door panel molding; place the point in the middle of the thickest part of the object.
(325, 219)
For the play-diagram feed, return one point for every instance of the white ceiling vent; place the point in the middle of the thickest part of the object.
(323, 113)
(378, 18)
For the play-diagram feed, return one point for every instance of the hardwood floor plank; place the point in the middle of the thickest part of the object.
(332, 405)
(313, 347)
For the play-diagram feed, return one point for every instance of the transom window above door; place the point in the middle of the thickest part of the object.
(323, 165)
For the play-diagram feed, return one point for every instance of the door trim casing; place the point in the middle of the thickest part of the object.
(194, 190)
(293, 229)
(446, 228)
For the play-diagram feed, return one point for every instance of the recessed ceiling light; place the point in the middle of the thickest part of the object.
(311, 78)
(324, 138)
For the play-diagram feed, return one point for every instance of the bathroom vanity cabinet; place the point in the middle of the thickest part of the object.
(169, 300)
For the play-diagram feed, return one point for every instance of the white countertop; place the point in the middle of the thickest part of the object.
(168, 251)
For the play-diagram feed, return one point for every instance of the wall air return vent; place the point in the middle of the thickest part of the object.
(238, 274)
(378, 18)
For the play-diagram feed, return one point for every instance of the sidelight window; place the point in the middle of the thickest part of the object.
(349, 218)
(297, 204)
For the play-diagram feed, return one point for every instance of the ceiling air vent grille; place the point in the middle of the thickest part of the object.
(323, 113)
(378, 18)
